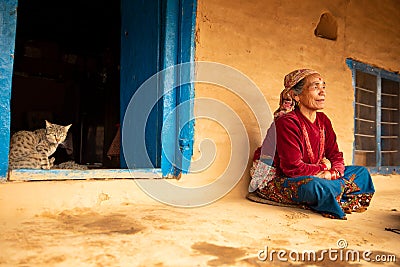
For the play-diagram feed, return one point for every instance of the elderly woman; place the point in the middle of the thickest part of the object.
(308, 168)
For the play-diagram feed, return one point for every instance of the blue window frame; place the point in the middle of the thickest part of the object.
(376, 118)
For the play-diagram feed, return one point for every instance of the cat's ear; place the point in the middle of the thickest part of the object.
(67, 127)
(48, 124)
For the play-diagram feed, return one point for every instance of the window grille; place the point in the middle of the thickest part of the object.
(376, 117)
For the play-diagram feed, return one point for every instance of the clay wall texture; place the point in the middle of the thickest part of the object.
(268, 39)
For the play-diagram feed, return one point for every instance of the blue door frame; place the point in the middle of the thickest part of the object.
(179, 47)
(157, 35)
(141, 35)
(8, 20)
(174, 29)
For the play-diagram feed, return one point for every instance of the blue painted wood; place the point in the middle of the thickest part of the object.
(179, 45)
(354, 76)
(378, 120)
(385, 170)
(34, 175)
(8, 19)
(380, 73)
(372, 70)
(186, 93)
(169, 155)
(144, 38)
(151, 43)
(140, 59)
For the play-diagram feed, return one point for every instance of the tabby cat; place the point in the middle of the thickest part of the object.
(31, 149)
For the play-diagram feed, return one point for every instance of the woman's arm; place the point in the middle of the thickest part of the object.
(332, 152)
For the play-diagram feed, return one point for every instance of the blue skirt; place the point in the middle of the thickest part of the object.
(332, 198)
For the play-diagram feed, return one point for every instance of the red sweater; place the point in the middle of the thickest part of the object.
(291, 158)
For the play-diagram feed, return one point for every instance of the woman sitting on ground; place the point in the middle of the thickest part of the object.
(308, 168)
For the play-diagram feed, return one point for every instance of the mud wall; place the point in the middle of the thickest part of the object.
(267, 39)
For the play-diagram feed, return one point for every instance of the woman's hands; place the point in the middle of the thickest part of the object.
(329, 175)
(327, 163)
(325, 175)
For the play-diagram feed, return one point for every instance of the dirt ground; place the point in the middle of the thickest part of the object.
(113, 223)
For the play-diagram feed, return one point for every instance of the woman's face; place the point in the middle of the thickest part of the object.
(313, 95)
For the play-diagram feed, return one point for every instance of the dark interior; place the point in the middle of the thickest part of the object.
(66, 70)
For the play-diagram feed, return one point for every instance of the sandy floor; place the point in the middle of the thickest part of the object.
(113, 223)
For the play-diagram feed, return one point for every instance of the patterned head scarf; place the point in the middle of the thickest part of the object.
(286, 103)
(296, 76)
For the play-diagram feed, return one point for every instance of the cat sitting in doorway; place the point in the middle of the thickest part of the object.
(32, 149)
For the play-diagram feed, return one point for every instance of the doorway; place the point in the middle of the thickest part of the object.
(66, 71)
(71, 65)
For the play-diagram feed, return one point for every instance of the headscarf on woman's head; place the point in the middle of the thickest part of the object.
(296, 76)
(286, 104)
(291, 80)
